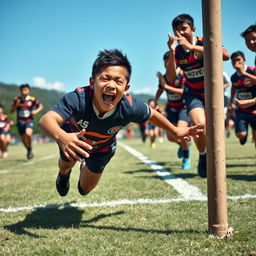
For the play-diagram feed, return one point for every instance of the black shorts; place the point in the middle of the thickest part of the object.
(97, 160)
(23, 126)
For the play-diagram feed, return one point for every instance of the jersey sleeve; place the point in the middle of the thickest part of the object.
(69, 105)
(141, 111)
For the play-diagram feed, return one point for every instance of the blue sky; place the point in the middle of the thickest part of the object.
(53, 43)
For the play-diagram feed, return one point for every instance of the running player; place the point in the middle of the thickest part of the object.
(175, 108)
(5, 124)
(85, 122)
(26, 106)
(244, 115)
(188, 55)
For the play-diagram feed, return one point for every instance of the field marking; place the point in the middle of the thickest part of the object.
(39, 159)
(4, 171)
(117, 203)
(185, 189)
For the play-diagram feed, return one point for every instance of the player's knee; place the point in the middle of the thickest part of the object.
(83, 190)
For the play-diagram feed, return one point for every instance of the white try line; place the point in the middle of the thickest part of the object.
(117, 203)
(181, 186)
(39, 159)
(4, 171)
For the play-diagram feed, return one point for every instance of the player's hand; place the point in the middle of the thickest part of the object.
(183, 41)
(171, 42)
(161, 79)
(185, 133)
(248, 82)
(71, 145)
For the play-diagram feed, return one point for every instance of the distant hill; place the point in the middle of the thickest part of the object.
(48, 98)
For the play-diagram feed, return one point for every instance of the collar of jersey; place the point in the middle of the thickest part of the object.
(109, 113)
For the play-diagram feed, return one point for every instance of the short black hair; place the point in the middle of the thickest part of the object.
(166, 55)
(111, 58)
(250, 29)
(181, 19)
(24, 86)
(236, 54)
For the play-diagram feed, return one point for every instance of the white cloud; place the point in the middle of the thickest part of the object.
(44, 84)
(146, 90)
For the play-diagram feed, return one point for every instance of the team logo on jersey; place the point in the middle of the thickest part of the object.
(184, 61)
(115, 129)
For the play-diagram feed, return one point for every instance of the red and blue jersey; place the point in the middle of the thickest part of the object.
(193, 66)
(175, 101)
(4, 123)
(244, 92)
(76, 109)
(25, 107)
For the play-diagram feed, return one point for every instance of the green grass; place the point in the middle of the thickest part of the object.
(139, 229)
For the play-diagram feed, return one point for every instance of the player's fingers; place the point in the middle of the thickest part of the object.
(84, 145)
(80, 151)
(81, 133)
(68, 156)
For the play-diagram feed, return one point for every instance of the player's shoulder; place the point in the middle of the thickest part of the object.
(83, 90)
(32, 98)
(199, 39)
(250, 68)
(128, 99)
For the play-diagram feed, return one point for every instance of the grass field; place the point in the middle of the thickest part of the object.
(131, 212)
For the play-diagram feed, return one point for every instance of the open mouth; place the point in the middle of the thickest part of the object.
(108, 98)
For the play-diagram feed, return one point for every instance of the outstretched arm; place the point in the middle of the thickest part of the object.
(180, 133)
(69, 143)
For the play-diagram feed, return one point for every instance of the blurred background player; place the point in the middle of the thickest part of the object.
(151, 129)
(243, 91)
(26, 107)
(175, 109)
(229, 119)
(188, 55)
(249, 36)
(5, 124)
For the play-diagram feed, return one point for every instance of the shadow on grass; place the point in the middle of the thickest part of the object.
(239, 165)
(66, 216)
(242, 177)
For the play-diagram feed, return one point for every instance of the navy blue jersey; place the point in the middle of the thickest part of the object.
(193, 66)
(25, 107)
(244, 92)
(175, 101)
(76, 108)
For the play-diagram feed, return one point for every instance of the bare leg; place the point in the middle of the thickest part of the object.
(88, 179)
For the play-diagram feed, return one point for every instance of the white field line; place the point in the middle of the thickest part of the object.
(117, 203)
(39, 159)
(181, 186)
(4, 171)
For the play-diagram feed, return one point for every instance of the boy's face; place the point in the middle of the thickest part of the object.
(109, 87)
(238, 62)
(250, 40)
(185, 30)
(25, 91)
